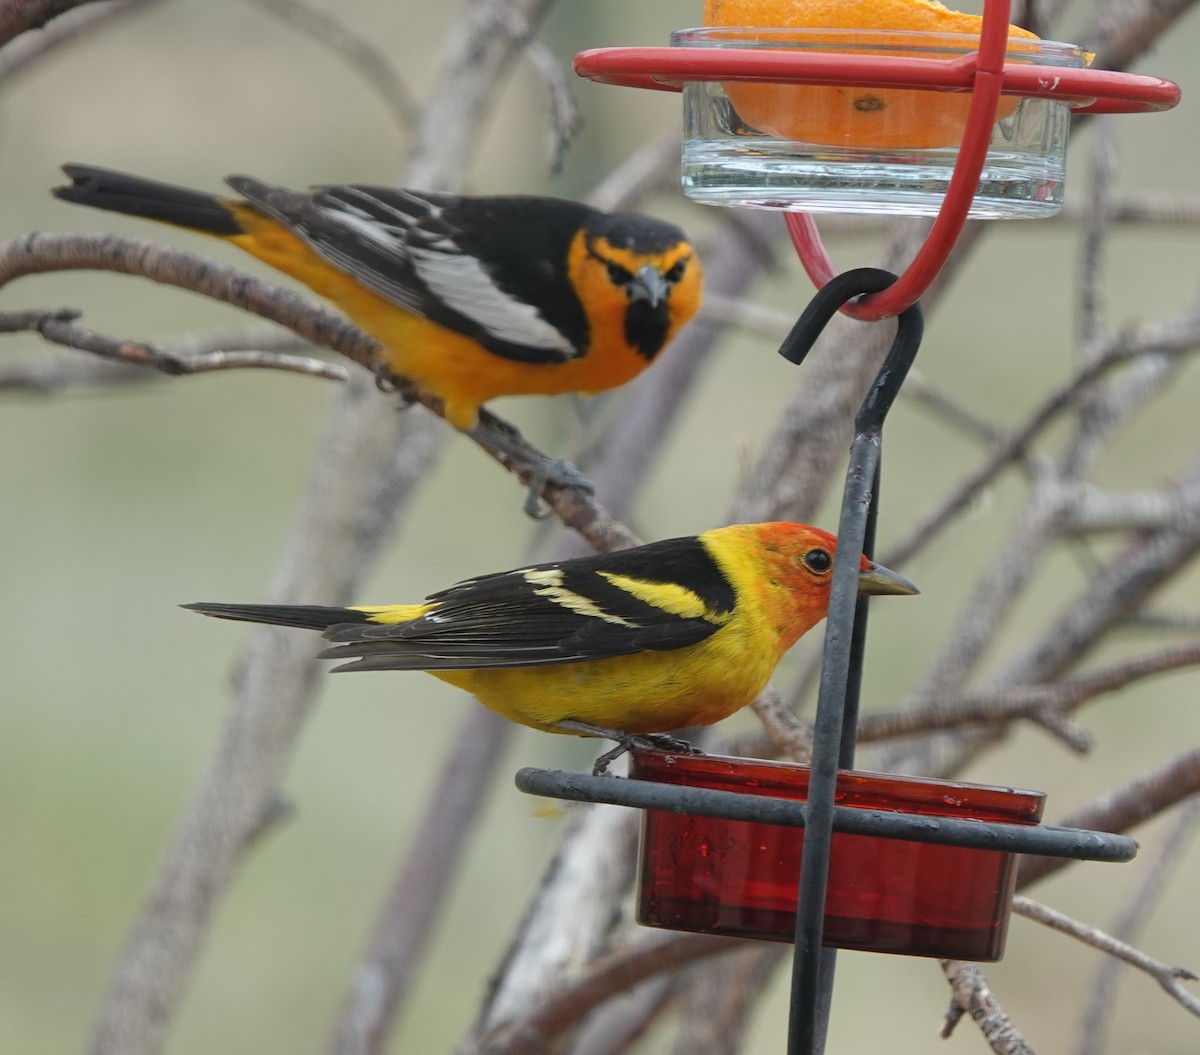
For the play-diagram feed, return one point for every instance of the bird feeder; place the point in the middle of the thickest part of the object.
(884, 863)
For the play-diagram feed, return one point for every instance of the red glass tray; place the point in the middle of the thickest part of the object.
(740, 878)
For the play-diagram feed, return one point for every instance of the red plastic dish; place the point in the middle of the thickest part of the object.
(740, 878)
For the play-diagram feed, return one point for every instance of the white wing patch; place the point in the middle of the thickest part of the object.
(551, 582)
(461, 282)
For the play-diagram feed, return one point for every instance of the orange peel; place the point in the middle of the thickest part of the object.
(846, 115)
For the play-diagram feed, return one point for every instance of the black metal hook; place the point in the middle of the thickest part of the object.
(910, 326)
(845, 638)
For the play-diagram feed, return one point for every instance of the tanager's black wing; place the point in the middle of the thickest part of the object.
(659, 597)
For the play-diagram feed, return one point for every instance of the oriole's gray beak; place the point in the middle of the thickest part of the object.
(649, 284)
(880, 580)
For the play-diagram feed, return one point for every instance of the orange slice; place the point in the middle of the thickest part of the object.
(849, 116)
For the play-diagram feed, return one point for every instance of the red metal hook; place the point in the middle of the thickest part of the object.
(988, 79)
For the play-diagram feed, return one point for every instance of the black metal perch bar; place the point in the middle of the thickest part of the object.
(1043, 840)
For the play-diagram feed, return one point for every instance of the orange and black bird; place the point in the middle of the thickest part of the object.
(470, 297)
(624, 645)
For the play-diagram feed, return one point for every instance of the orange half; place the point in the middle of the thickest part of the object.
(849, 116)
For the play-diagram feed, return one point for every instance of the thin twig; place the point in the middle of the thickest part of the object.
(19, 16)
(790, 736)
(359, 52)
(57, 326)
(1170, 978)
(368, 467)
(722, 996)
(388, 969)
(1093, 1023)
(1023, 701)
(974, 996)
(564, 1007)
(1123, 808)
(82, 23)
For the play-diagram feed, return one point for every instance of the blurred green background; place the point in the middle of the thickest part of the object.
(116, 506)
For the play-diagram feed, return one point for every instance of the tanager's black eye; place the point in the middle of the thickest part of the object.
(618, 275)
(818, 561)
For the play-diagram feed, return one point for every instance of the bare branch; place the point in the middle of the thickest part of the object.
(1095, 237)
(791, 736)
(564, 1006)
(721, 997)
(58, 328)
(565, 119)
(388, 969)
(19, 16)
(359, 52)
(1023, 701)
(973, 995)
(1093, 1025)
(40, 253)
(1170, 978)
(19, 55)
(1094, 509)
(1179, 336)
(370, 461)
(1123, 808)
(617, 1024)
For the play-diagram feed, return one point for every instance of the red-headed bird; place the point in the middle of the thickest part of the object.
(641, 641)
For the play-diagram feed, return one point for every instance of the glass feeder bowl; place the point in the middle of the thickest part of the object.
(740, 878)
(842, 148)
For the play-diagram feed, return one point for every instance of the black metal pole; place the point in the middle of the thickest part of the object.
(811, 970)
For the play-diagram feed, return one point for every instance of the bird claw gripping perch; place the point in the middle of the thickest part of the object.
(626, 742)
(497, 435)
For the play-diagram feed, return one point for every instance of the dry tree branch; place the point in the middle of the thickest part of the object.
(368, 467)
(721, 997)
(1170, 978)
(388, 968)
(565, 118)
(40, 253)
(973, 996)
(57, 327)
(20, 16)
(563, 1007)
(20, 55)
(358, 51)
(1123, 808)
(1093, 1024)
(1182, 336)
(616, 1025)
(1023, 701)
(37, 253)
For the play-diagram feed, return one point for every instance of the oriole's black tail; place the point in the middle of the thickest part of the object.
(309, 616)
(134, 196)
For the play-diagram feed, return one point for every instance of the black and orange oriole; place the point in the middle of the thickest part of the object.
(676, 633)
(471, 298)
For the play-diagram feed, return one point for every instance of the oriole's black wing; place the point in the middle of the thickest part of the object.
(492, 269)
(658, 597)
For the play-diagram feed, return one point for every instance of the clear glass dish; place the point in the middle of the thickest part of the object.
(841, 148)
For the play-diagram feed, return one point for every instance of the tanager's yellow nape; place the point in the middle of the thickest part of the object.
(645, 640)
(470, 298)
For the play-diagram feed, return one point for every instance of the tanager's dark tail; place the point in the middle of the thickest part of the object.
(134, 196)
(309, 616)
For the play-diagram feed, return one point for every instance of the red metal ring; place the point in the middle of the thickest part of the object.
(985, 74)
(668, 69)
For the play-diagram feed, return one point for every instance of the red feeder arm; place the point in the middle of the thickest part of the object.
(984, 73)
